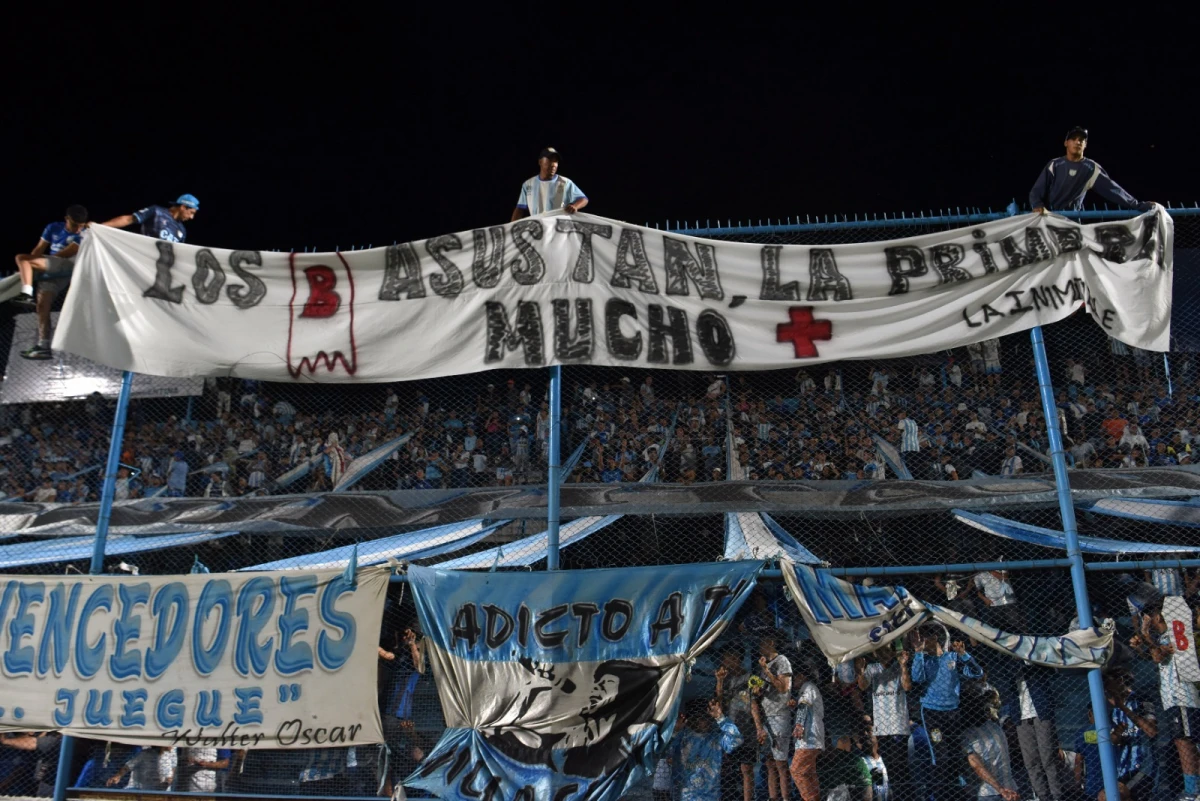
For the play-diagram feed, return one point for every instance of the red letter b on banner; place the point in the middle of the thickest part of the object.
(322, 300)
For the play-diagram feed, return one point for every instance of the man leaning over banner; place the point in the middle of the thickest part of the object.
(165, 223)
(51, 261)
(548, 191)
(942, 670)
(1064, 181)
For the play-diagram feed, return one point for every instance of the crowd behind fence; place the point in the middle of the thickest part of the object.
(894, 725)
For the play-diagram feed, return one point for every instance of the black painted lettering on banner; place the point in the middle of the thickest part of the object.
(566, 791)
(450, 284)
(432, 765)
(618, 617)
(526, 333)
(466, 625)
(495, 636)
(989, 312)
(487, 264)
(162, 289)
(1068, 240)
(967, 317)
(1061, 295)
(676, 329)
(550, 639)
(716, 600)
(1114, 239)
(1106, 318)
(401, 273)
(1153, 246)
(946, 259)
(1035, 249)
(620, 346)
(1018, 307)
(670, 619)
(584, 612)
(578, 347)
(585, 263)
(716, 339)
(985, 255)
(701, 268)
(251, 294)
(207, 263)
(523, 615)
(528, 268)
(904, 262)
(825, 277)
(632, 246)
(771, 289)
(460, 764)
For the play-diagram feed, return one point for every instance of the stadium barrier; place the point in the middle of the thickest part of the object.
(988, 516)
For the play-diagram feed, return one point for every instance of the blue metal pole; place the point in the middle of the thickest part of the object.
(1083, 605)
(553, 487)
(66, 753)
(1167, 370)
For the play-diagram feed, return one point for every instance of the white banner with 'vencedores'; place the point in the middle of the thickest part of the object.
(282, 659)
(581, 289)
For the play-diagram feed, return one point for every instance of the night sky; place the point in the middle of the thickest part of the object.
(309, 128)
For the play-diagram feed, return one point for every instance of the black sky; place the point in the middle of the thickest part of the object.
(326, 127)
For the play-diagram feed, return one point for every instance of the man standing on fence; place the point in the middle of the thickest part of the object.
(1063, 182)
(548, 191)
(51, 262)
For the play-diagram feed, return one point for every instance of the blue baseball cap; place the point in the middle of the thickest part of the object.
(189, 201)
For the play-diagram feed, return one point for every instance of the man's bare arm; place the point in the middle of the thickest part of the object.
(124, 221)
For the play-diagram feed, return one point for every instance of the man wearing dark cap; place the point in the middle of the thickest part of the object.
(165, 223)
(1063, 182)
(548, 191)
(52, 261)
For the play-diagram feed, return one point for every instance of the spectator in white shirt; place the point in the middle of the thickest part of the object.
(548, 191)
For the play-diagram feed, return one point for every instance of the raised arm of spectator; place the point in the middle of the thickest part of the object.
(1110, 190)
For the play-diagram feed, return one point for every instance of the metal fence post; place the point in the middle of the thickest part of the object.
(1083, 605)
(552, 477)
(66, 753)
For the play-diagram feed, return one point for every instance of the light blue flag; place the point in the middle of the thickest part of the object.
(563, 684)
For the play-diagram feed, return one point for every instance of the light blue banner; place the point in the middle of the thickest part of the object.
(564, 684)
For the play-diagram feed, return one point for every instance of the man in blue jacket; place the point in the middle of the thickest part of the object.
(942, 671)
(1063, 182)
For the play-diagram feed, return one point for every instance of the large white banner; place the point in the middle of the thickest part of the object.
(242, 660)
(584, 289)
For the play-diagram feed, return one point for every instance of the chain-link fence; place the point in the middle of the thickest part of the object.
(929, 472)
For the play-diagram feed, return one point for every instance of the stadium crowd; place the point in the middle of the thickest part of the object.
(944, 417)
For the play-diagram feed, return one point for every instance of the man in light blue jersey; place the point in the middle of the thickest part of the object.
(548, 191)
(165, 223)
(51, 260)
(1064, 181)
(942, 671)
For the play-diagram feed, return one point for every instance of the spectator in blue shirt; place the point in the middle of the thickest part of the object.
(704, 737)
(159, 222)
(1063, 182)
(942, 670)
(52, 259)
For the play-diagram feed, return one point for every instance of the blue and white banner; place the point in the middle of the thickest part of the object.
(848, 620)
(225, 660)
(564, 684)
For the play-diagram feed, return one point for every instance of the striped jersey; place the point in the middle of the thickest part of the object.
(910, 439)
(538, 196)
(1172, 688)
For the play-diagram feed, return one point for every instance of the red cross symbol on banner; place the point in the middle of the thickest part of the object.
(803, 331)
